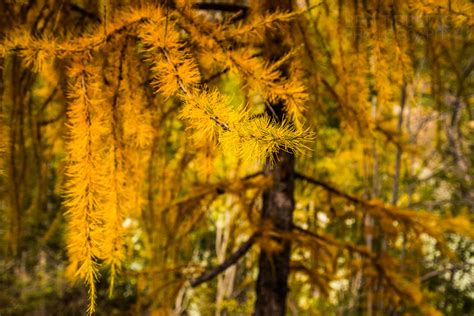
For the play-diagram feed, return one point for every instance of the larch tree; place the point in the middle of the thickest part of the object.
(236, 157)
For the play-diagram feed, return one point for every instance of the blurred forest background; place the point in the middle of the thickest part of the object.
(236, 157)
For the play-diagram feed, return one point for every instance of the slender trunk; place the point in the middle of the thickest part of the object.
(398, 156)
(369, 223)
(368, 227)
(461, 163)
(225, 280)
(278, 203)
(396, 176)
(410, 171)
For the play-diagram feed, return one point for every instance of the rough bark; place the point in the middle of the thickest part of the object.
(274, 268)
(278, 202)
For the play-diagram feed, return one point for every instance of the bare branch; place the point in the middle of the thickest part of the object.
(233, 259)
(350, 247)
(331, 189)
(432, 274)
(226, 7)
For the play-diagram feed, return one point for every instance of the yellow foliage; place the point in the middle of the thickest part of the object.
(124, 135)
(171, 62)
(86, 179)
(213, 120)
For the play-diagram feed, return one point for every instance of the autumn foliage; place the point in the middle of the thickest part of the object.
(138, 139)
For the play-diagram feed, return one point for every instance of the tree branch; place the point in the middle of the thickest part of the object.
(350, 247)
(363, 251)
(84, 12)
(233, 259)
(389, 210)
(332, 189)
(225, 7)
(453, 268)
(54, 119)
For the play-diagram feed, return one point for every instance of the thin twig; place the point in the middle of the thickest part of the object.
(332, 189)
(233, 259)
(434, 273)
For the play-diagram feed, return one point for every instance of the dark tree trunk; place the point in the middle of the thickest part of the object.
(274, 268)
(278, 202)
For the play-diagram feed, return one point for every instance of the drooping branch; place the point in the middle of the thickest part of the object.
(59, 116)
(350, 247)
(233, 259)
(332, 189)
(373, 258)
(94, 17)
(424, 221)
(397, 214)
(368, 204)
